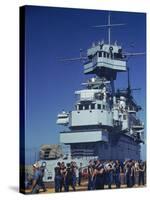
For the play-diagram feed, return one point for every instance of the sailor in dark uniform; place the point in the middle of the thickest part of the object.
(141, 173)
(132, 173)
(117, 170)
(91, 174)
(99, 176)
(128, 167)
(69, 178)
(80, 174)
(109, 173)
(74, 171)
(58, 177)
(63, 173)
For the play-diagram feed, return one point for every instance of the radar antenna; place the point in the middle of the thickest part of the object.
(81, 58)
(134, 54)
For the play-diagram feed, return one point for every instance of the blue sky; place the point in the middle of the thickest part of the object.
(52, 33)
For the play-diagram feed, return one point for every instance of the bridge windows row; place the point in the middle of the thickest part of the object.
(110, 55)
(90, 107)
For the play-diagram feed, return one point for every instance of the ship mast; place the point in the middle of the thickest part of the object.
(109, 26)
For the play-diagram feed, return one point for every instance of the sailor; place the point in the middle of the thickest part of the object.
(74, 171)
(109, 173)
(99, 173)
(117, 170)
(58, 177)
(37, 179)
(127, 168)
(141, 173)
(63, 172)
(136, 172)
(42, 169)
(80, 174)
(91, 175)
(69, 178)
(132, 173)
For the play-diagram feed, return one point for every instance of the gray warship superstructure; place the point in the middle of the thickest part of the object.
(104, 121)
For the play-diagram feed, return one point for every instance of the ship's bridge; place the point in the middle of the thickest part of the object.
(91, 109)
(88, 94)
(105, 60)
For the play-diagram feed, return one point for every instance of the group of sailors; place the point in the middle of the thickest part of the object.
(99, 174)
(66, 176)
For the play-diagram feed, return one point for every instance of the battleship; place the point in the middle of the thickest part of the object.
(104, 122)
